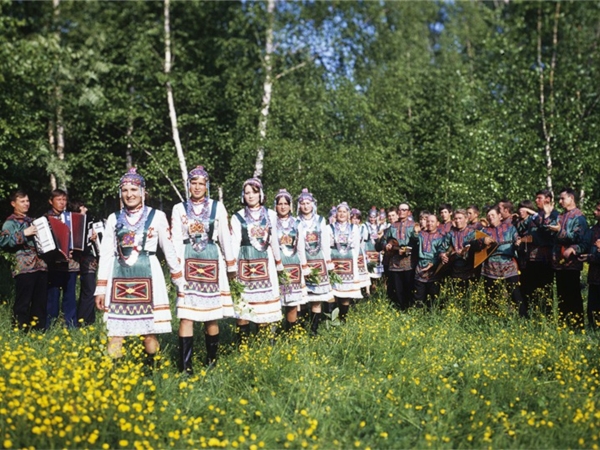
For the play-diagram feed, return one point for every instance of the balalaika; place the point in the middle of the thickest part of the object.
(53, 234)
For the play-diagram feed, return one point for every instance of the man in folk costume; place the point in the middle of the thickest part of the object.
(131, 287)
(203, 243)
(314, 231)
(345, 245)
(593, 258)
(537, 274)
(500, 270)
(570, 241)
(473, 220)
(445, 211)
(401, 269)
(456, 251)
(430, 244)
(62, 269)
(255, 242)
(293, 256)
(30, 271)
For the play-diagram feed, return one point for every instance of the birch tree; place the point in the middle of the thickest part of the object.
(267, 90)
(56, 130)
(170, 99)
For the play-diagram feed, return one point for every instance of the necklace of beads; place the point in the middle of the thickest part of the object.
(122, 221)
(342, 236)
(191, 213)
(312, 236)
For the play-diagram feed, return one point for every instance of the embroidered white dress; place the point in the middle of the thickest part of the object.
(373, 256)
(345, 245)
(293, 257)
(316, 237)
(203, 243)
(255, 242)
(131, 277)
(363, 271)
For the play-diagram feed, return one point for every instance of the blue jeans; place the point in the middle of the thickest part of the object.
(64, 282)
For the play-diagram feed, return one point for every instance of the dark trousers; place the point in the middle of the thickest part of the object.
(497, 289)
(426, 293)
(536, 285)
(593, 306)
(30, 301)
(389, 283)
(64, 282)
(86, 310)
(403, 283)
(570, 301)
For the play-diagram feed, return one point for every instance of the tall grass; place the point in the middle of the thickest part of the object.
(466, 375)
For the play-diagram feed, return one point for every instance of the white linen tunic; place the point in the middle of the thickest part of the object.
(131, 277)
(205, 260)
(315, 233)
(345, 245)
(255, 242)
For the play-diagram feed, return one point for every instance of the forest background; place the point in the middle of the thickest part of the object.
(370, 102)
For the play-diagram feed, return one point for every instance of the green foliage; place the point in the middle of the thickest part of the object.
(372, 102)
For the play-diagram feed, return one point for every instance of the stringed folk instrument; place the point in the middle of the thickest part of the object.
(483, 254)
(396, 247)
(452, 255)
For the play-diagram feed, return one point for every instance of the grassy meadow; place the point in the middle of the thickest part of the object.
(468, 376)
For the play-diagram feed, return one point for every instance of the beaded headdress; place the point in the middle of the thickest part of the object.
(373, 212)
(198, 172)
(355, 212)
(135, 179)
(343, 205)
(255, 182)
(132, 177)
(285, 194)
(333, 211)
(305, 195)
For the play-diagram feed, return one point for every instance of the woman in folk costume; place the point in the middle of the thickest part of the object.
(374, 233)
(363, 272)
(203, 244)
(345, 245)
(314, 232)
(255, 242)
(332, 214)
(291, 244)
(131, 286)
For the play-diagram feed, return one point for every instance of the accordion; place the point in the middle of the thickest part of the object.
(53, 234)
(98, 228)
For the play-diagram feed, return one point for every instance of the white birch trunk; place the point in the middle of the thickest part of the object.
(56, 132)
(170, 99)
(267, 91)
(547, 129)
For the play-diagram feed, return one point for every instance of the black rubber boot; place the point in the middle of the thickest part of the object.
(212, 348)
(314, 323)
(186, 352)
(343, 312)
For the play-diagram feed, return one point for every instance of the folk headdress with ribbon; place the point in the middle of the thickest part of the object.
(285, 194)
(199, 172)
(306, 196)
(133, 178)
(256, 183)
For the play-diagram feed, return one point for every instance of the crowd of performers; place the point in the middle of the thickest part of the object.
(263, 265)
